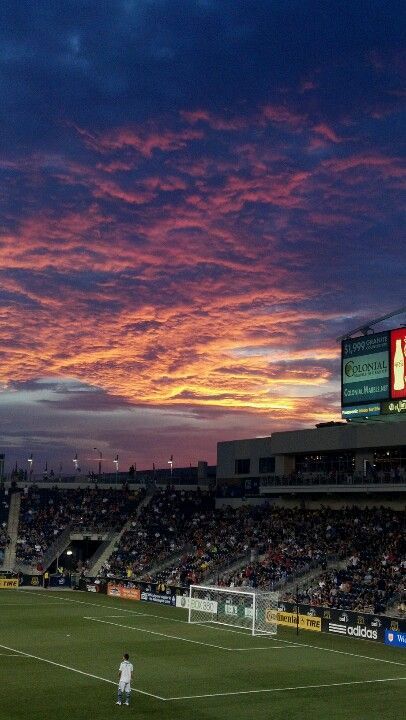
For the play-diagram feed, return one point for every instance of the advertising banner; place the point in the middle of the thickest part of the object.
(365, 369)
(363, 626)
(32, 580)
(129, 593)
(122, 591)
(160, 598)
(396, 639)
(182, 601)
(60, 581)
(398, 363)
(393, 407)
(290, 619)
(361, 410)
(8, 583)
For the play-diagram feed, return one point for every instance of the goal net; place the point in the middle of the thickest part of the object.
(252, 610)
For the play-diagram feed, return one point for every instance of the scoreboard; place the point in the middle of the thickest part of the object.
(373, 374)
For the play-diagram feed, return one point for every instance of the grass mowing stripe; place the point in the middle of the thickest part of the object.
(11, 655)
(80, 672)
(344, 652)
(289, 642)
(284, 689)
(154, 632)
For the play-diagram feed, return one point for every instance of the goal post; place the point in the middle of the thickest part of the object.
(251, 610)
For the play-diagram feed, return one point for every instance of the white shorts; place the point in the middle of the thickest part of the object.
(124, 686)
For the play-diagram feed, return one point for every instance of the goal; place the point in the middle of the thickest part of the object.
(251, 610)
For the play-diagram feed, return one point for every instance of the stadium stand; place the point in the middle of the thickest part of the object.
(45, 514)
(4, 507)
(375, 573)
(286, 542)
(162, 529)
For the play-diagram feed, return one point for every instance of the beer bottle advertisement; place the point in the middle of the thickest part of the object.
(398, 363)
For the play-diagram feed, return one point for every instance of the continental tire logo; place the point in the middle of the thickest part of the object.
(270, 615)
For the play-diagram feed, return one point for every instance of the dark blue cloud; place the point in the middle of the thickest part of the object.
(105, 63)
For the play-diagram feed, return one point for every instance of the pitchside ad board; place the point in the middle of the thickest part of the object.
(396, 639)
(357, 625)
(365, 369)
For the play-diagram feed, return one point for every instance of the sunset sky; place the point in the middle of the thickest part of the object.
(197, 198)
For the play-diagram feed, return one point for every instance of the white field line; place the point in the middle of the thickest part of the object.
(285, 689)
(159, 617)
(80, 672)
(344, 652)
(165, 635)
(264, 647)
(10, 655)
(24, 604)
(289, 642)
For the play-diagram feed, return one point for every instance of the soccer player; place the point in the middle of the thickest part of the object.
(124, 680)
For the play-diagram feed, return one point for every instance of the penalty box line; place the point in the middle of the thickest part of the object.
(80, 672)
(284, 689)
(288, 642)
(177, 637)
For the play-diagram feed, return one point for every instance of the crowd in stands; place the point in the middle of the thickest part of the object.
(375, 574)
(179, 538)
(4, 507)
(278, 544)
(45, 514)
(161, 530)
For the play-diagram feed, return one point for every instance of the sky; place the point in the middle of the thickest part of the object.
(197, 197)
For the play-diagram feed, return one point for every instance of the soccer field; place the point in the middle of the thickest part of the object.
(60, 651)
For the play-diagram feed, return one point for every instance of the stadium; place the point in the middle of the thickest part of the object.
(271, 584)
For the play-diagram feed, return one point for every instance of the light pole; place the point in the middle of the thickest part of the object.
(75, 462)
(100, 459)
(115, 461)
(30, 462)
(170, 463)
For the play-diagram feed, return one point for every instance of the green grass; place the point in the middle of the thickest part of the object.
(52, 627)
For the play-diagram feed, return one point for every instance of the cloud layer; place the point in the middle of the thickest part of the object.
(196, 204)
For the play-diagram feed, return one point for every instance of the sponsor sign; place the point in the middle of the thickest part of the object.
(396, 639)
(182, 601)
(230, 609)
(289, 619)
(121, 591)
(8, 583)
(346, 622)
(398, 364)
(365, 369)
(353, 631)
(207, 606)
(158, 598)
(393, 407)
(60, 581)
(361, 411)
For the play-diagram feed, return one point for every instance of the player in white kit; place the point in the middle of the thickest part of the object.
(124, 680)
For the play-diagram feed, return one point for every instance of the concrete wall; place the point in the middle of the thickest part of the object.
(229, 452)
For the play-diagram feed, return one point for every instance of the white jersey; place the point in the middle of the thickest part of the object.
(126, 669)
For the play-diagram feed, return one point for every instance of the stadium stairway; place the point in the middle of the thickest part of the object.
(301, 581)
(226, 569)
(171, 560)
(54, 550)
(107, 547)
(12, 529)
